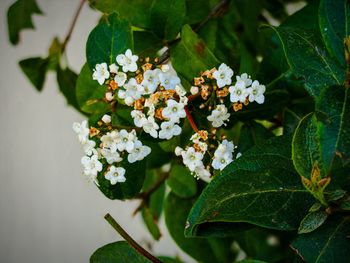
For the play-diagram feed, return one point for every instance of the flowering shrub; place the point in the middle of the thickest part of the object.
(173, 96)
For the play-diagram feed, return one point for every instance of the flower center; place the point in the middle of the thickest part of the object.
(174, 109)
(255, 92)
(222, 75)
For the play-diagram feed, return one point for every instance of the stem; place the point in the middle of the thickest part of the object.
(190, 119)
(129, 239)
(72, 25)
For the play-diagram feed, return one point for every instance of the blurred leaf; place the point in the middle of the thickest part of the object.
(181, 181)
(35, 69)
(329, 243)
(312, 221)
(197, 11)
(167, 17)
(67, 79)
(19, 17)
(90, 93)
(260, 188)
(146, 44)
(108, 39)
(191, 48)
(120, 252)
(151, 223)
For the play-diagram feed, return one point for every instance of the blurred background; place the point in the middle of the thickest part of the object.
(48, 211)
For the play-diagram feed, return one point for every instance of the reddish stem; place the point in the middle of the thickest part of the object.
(190, 119)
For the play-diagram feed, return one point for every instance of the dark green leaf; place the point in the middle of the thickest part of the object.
(146, 44)
(120, 252)
(19, 17)
(181, 181)
(325, 134)
(190, 55)
(251, 261)
(108, 39)
(252, 133)
(135, 175)
(312, 221)
(151, 223)
(67, 79)
(169, 260)
(328, 244)
(197, 11)
(260, 188)
(135, 11)
(157, 157)
(89, 93)
(309, 60)
(35, 69)
(334, 17)
(176, 210)
(167, 17)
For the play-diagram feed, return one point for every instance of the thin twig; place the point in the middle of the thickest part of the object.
(130, 240)
(190, 119)
(72, 25)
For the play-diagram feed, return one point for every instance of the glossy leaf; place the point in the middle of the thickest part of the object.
(146, 44)
(67, 79)
(135, 175)
(193, 49)
(19, 17)
(137, 12)
(167, 17)
(328, 244)
(321, 136)
(35, 69)
(108, 39)
(181, 181)
(334, 17)
(309, 60)
(260, 188)
(90, 93)
(312, 221)
(120, 252)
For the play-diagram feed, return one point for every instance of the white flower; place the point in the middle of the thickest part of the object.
(192, 159)
(91, 166)
(106, 118)
(126, 140)
(81, 130)
(226, 147)
(202, 173)
(150, 80)
(100, 73)
(256, 92)
(174, 111)
(169, 80)
(151, 110)
(180, 91)
(245, 78)
(115, 175)
(89, 147)
(168, 130)
(194, 90)
(238, 92)
(221, 161)
(127, 61)
(109, 96)
(165, 67)
(203, 146)
(195, 138)
(223, 75)
(113, 68)
(109, 140)
(111, 156)
(133, 91)
(150, 126)
(139, 152)
(178, 151)
(138, 115)
(120, 78)
(219, 116)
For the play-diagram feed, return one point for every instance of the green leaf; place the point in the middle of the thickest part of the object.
(108, 39)
(321, 136)
(197, 11)
(89, 93)
(135, 11)
(181, 181)
(252, 133)
(157, 157)
(176, 210)
(35, 69)
(334, 17)
(312, 221)
(135, 175)
(67, 79)
(191, 55)
(260, 188)
(151, 223)
(251, 261)
(328, 244)
(167, 17)
(19, 17)
(146, 44)
(120, 252)
(309, 60)
(169, 260)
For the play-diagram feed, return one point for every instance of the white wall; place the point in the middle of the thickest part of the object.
(48, 212)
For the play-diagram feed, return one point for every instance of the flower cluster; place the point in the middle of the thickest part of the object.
(107, 147)
(153, 91)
